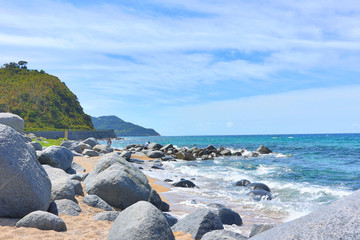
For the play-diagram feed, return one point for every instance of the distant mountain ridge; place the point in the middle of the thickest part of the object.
(122, 128)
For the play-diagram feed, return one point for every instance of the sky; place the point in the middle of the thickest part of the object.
(198, 67)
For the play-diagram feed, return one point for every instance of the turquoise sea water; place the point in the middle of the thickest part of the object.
(304, 172)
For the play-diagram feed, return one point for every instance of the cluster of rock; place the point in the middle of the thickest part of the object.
(156, 150)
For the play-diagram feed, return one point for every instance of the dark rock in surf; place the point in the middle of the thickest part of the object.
(242, 183)
(258, 186)
(184, 184)
(263, 150)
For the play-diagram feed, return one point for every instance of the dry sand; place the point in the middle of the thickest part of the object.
(81, 227)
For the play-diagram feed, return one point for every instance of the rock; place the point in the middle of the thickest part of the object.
(53, 208)
(95, 201)
(168, 158)
(164, 207)
(36, 145)
(170, 219)
(237, 154)
(168, 180)
(91, 141)
(25, 186)
(67, 207)
(338, 220)
(207, 157)
(259, 228)
(155, 154)
(229, 217)
(62, 187)
(185, 156)
(90, 153)
(77, 176)
(157, 166)
(126, 155)
(100, 147)
(263, 150)
(242, 183)
(77, 167)
(155, 198)
(166, 147)
(71, 145)
(106, 216)
(141, 221)
(154, 146)
(12, 120)
(198, 223)
(55, 156)
(77, 187)
(84, 176)
(185, 184)
(211, 148)
(70, 171)
(84, 146)
(225, 152)
(223, 235)
(258, 195)
(258, 186)
(43, 221)
(117, 182)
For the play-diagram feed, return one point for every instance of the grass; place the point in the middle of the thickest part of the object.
(47, 142)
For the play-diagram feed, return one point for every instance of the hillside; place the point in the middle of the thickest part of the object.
(42, 100)
(122, 128)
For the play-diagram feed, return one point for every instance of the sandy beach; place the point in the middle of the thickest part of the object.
(80, 227)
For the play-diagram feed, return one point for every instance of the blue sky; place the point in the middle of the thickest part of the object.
(195, 67)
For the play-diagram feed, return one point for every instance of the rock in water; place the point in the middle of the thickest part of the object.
(12, 120)
(117, 182)
(228, 216)
(58, 157)
(198, 223)
(141, 221)
(263, 150)
(43, 221)
(242, 183)
(25, 186)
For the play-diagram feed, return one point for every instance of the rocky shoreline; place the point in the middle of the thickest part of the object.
(45, 189)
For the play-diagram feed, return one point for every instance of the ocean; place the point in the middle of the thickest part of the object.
(303, 172)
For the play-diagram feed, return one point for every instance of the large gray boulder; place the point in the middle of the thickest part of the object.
(185, 156)
(43, 221)
(25, 186)
(91, 141)
(155, 146)
(155, 154)
(117, 182)
(56, 156)
(12, 120)
(198, 223)
(62, 186)
(263, 150)
(68, 207)
(339, 220)
(229, 216)
(90, 153)
(141, 221)
(95, 201)
(71, 145)
(259, 228)
(223, 235)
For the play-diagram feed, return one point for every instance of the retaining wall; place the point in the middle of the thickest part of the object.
(76, 135)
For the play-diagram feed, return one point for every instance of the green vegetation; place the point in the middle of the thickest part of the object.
(121, 127)
(47, 142)
(42, 100)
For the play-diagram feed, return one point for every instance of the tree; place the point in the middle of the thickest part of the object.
(22, 64)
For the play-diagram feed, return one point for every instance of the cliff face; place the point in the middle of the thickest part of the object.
(121, 127)
(42, 100)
